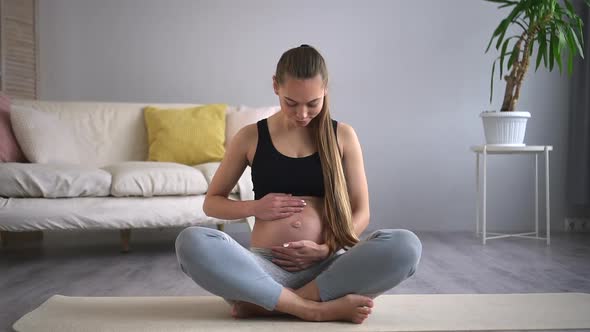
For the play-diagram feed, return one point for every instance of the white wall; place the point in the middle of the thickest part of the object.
(410, 76)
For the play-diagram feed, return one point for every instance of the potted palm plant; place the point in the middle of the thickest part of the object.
(550, 25)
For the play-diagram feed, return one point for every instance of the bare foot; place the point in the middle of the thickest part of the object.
(352, 307)
(242, 309)
(247, 310)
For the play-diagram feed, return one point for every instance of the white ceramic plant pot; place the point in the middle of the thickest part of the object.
(504, 128)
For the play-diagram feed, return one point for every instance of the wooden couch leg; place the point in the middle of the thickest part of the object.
(20, 239)
(125, 237)
(4, 238)
(220, 227)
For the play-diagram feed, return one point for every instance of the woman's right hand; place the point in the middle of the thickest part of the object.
(277, 206)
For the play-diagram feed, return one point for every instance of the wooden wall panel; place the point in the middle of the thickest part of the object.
(19, 48)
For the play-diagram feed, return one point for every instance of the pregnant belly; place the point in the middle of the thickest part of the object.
(304, 225)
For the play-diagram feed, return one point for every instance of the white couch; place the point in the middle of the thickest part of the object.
(109, 185)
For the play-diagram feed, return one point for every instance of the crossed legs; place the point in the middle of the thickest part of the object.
(223, 267)
(387, 257)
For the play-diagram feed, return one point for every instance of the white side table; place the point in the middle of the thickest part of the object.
(486, 150)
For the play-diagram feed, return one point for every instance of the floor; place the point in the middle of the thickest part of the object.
(90, 264)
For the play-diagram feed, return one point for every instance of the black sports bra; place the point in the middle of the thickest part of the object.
(273, 172)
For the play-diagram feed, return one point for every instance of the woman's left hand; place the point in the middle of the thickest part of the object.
(299, 255)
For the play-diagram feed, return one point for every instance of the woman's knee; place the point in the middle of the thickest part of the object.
(196, 239)
(403, 246)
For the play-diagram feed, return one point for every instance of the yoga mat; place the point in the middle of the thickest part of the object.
(394, 312)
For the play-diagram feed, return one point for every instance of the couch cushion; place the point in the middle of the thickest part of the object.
(151, 178)
(43, 137)
(52, 180)
(29, 214)
(9, 148)
(187, 136)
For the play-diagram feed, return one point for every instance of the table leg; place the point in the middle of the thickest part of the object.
(547, 208)
(485, 171)
(536, 194)
(477, 195)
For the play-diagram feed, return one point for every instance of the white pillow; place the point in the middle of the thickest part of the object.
(52, 180)
(154, 178)
(245, 116)
(43, 137)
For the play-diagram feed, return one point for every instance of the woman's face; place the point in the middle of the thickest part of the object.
(301, 100)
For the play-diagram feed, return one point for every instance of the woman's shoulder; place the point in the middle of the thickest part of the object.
(343, 129)
(248, 132)
(346, 136)
(245, 141)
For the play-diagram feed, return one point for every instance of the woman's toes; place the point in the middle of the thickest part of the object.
(365, 310)
(359, 319)
(240, 310)
(234, 311)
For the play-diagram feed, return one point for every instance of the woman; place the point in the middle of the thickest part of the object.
(311, 203)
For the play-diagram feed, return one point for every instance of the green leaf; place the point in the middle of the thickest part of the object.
(581, 32)
(503, 52)
(499, 1)
(507, 53)
(518, 9)
(500, 39)
(497, 32)
(558, 44)
(570, 36)
(569, 6)
(576, 41)
(567, 12)
(505, 25)
(570, 63)
(506, 5)
(520, 24)
(552, 46)
(513, 57)
(542, 48)
(492, 82)
(501, 27)
(489, 44)
(546, 51)
(503, 2)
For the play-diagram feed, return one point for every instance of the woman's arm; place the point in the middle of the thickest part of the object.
(217, 204)
(356, 181)
(225, 208)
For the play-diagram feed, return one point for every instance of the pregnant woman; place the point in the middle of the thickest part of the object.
(311, 205)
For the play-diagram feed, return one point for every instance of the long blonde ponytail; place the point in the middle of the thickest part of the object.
(302, 63)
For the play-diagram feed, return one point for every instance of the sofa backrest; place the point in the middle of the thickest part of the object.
(106, 132)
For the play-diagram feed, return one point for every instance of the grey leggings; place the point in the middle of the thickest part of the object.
(220, 265)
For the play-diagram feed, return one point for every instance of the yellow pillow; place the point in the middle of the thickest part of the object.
(187, 136)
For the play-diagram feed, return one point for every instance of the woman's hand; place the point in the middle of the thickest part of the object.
(277, 206)
(299, 255)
